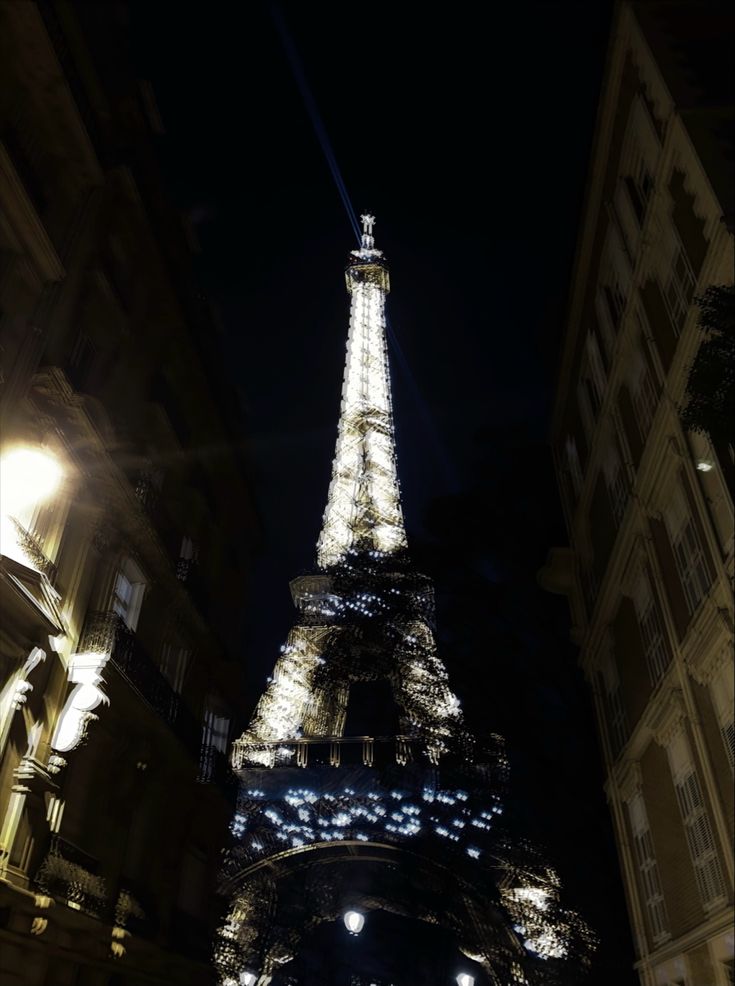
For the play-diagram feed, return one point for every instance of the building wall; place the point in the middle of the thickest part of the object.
(121, 675)
(649, 506)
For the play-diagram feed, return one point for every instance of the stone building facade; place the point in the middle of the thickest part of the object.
(127, 526)
(649, 506)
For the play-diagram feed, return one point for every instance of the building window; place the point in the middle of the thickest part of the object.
(640, 187)
(617, 486)
(615, 301)
(679, 288)
(127, 593)
(648, 869)
(643, 393)
(187, 559)
(688, 550)
(574, 467)
(697, 827)
(652, 631)
(591, 388)
(722, 690)
(174, 665)
(617, 721)
(81, 360)
(215, 736)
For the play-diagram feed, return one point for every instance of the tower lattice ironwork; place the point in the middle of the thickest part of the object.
(411, 821)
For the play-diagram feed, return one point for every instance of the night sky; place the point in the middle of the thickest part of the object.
(467, 132)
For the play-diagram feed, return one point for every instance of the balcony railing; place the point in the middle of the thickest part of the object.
(69, 874)
(339, 751)
(107, 633)
(214, 768)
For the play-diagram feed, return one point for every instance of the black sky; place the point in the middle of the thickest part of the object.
(467, 131)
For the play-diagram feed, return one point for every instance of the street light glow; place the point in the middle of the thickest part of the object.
(27, 477)
(248, 979)
(354, 922)
(465, 979)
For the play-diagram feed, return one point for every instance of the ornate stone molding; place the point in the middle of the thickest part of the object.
(666, 717)
(709, 643)
(629, 779)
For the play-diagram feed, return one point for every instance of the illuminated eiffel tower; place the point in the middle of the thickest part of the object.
(405, 819)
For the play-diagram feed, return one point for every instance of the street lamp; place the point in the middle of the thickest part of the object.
(354, 922)
(248, 979)
(28, 476)
(465, 979)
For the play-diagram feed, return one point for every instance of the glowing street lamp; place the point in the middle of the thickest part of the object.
(28, 476)
(248, 979)
(465, 979)
(354, 922)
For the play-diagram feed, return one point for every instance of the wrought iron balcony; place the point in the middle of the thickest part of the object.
(107, 633)
(214, 768)
(70, 875)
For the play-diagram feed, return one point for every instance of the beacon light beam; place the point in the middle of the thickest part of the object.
(316, 120)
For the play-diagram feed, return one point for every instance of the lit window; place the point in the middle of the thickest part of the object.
(648, 869)
(697, 826)
(127, 593)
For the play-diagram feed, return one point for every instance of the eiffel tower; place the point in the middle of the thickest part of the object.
(405, 816)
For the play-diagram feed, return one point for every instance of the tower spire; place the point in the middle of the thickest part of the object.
(368, 221)
(363, 509)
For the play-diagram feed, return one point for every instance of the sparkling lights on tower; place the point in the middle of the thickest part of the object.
(426, 801)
